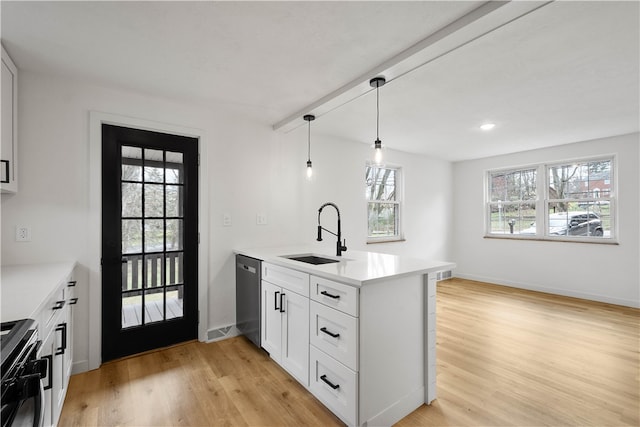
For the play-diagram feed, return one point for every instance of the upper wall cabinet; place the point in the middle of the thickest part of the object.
(9, 125)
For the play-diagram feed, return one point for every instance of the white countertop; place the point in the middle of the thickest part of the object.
(24, 289)
(356, 268)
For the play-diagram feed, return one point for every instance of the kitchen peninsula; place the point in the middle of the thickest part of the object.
(358, 331)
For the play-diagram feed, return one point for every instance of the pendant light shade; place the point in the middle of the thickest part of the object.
(309, 118)
(377, 145)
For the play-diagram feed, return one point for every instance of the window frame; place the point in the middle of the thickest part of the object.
(543, 201)
(399, 202)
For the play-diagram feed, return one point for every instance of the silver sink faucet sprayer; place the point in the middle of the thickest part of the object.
(340, 247)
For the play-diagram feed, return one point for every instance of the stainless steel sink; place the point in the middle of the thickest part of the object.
(312, 259)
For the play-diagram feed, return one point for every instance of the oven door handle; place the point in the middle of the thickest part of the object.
(38, 420)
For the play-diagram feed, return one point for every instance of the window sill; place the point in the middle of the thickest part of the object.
(595, 241)
(389, 240)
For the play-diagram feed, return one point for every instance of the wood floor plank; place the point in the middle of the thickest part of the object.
(506, 357)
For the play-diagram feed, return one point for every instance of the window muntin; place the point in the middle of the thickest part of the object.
(383, 203)
(574, 201)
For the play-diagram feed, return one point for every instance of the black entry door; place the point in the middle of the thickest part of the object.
(149, 240)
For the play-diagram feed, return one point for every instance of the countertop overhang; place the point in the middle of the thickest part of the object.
(356, 268)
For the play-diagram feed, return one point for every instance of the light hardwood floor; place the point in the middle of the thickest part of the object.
(505, 357)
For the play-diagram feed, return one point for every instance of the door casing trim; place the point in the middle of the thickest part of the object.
(96, 120)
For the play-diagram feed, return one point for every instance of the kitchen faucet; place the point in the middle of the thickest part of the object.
(340, 247)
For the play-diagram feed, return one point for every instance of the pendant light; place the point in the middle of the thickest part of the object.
(309, 118)
(377, 82)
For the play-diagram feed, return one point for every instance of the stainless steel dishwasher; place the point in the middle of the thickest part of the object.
(248, 275)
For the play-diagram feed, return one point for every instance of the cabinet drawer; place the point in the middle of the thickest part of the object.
(292, 280)
(333, 294)
(334, 384)
(335, 333)
(55, 305)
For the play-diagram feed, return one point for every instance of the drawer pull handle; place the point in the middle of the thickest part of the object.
(73, 301)
(59, 305)
(323, 329)
(329, 383)
(275, 301)
(71, 283)
(62, 328)
(49, 358)
(327, 294)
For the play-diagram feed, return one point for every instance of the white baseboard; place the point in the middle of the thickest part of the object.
(80, 367)
(398, 410)
(555, 291)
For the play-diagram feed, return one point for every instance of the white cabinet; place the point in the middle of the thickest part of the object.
(55, 327)
(285, 319)
(9, 125)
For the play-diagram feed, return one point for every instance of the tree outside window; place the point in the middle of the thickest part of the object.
(383, 203)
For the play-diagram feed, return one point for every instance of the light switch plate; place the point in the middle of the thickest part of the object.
(261, 218)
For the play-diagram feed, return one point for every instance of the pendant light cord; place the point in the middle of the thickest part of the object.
(309, 142)
(377, 111)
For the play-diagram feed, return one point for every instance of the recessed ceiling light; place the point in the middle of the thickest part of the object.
(487, 126)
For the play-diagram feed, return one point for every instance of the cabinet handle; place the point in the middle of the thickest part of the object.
(282, 302)
(323, 329)
(72, 283)
(49, 371)
(329, 383)
(73, 301)
(62, 328)
(6, 172)
(327, 294)
(275, 301)
(59, 305)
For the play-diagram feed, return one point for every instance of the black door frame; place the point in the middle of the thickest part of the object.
(116, 342)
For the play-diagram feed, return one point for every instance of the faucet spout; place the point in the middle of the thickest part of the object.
(340, 247)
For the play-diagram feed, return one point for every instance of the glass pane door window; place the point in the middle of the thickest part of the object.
(152, 236)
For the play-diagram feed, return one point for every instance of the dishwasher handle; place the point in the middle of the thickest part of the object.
(247, 268)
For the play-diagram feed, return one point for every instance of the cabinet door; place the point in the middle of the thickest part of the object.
(58, 371)
(47, 350)
(9, 139)
(295, 336)
(271, 320)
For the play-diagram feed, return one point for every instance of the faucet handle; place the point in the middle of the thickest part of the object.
(344, 245)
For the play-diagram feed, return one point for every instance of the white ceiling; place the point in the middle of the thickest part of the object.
(562, 72)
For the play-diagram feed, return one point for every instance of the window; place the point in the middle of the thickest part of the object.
(383, 203)
(572, 200)
(512, 205)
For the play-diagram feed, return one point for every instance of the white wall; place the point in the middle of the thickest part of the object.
(339, 177)
(600, 272)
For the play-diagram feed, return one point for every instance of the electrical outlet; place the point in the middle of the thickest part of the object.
(23, 233)
(261, 219)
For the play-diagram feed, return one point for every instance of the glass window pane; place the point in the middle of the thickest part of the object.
(154, 276)
(513, 218)
(131, 236)
(174, 235)
(131, 309)
(131, 163)
(153, 306)
(153, 165)
(381, 183)
(153, 235)
(498, 187)
(569, 219)
(132, 273)
(154, 200)
(174, 200)
(175, 296)
(174, 268)
(174, 171)
(131, 200)
(383, 219)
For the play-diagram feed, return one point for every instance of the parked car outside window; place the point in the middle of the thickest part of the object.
(579, 223)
